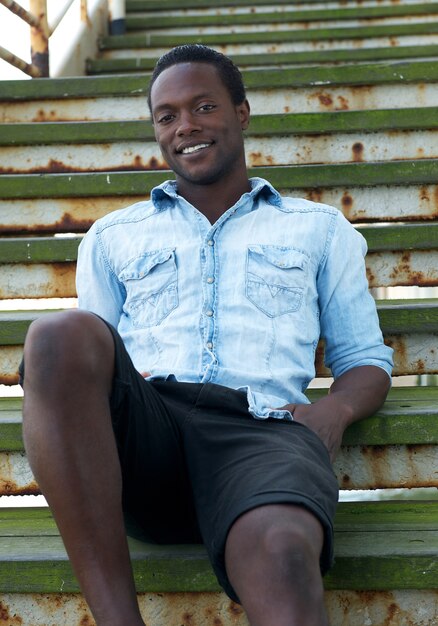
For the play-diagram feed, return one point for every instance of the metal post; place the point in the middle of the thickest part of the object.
(39, 37)
(16, 8)
(25, 67)
(116, 10)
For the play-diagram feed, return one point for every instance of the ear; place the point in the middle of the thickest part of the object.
(243, 111)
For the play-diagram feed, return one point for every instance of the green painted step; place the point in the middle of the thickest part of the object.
(64, 249)
(47, 133)
(166, 5)
(396, 317)
(137, 84)
(138, 63)
(116, 42)
(389, 546)
(400, 421)
(137, 22)
(82, 185)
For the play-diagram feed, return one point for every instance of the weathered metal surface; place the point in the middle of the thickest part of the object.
(381, 467)
(345, 608)
(260, 151)
(282, 22)
(387, 269)
(415, 354)
(121, 156)
(263, 101)
(10, 358)
(63, 215)
(285, 47)
(51, 280)
(16, 477)
(357, 467)
(314, 17)
(382, 608)
(52, 110)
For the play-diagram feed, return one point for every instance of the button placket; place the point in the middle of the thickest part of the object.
(209, 302)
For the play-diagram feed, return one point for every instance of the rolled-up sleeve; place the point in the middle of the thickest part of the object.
(348, 316)
(97, 285)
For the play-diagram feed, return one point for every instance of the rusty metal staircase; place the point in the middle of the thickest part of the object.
(345, 111)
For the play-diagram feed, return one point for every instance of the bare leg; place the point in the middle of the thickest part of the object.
(69, 360)
(272, 560)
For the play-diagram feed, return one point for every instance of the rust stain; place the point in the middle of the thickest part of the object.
(391, 613)
(346, 481)
(435, 197)
(9, 379)
(9, 488)
(370, 276)
(357, 150)
(424, 194)
(86, 621)
(420, 366)
(402, 273)
(5, 616)
(188, 619)
(397, 343)
(58, 167)
(347, 205)
(315, 195)
(324, 98)
(234, 609)
(343, 104)
(286, 109)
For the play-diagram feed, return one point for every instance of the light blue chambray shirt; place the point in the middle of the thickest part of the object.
(242, 302)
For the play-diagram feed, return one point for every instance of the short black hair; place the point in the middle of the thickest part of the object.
(196, 53)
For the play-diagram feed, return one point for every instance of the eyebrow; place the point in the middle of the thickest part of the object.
(168, 105)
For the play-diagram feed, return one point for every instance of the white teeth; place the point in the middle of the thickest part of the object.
(191, 149)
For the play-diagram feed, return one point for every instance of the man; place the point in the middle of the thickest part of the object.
(219, 290)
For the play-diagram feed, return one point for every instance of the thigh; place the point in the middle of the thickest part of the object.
(238, 463)
(157, 496)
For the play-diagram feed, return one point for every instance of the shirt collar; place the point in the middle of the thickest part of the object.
(166, 195)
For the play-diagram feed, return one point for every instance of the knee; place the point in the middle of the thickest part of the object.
(287, 540)
(66, 342)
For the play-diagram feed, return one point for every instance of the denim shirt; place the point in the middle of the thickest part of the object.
(241, 302)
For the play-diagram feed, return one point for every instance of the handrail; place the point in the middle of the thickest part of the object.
(40, 32)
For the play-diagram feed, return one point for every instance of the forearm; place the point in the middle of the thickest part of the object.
(361, 391)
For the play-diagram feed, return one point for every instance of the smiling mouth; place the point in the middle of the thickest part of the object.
(197, 148)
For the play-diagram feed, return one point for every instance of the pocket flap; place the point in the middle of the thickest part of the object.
(281, 257)
(141, 266)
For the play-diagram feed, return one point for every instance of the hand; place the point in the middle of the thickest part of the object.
(145, 374)
(326, 418)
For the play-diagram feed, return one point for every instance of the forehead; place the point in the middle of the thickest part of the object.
(186, 81)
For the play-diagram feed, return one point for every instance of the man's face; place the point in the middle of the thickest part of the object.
(197, 126)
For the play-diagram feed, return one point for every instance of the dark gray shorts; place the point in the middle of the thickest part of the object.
(193, 460)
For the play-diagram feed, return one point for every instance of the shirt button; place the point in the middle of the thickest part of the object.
(209, 313)
(210, 280)
(210, 242)
(209, 345)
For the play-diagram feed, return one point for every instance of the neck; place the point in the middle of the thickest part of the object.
(215, 199)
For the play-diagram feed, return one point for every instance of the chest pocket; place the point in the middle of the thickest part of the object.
(151, 287)
(275, 278)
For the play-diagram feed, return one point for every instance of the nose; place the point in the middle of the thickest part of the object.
(187, 124)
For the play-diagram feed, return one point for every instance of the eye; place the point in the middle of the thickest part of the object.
(164, 119)
(207, 107)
